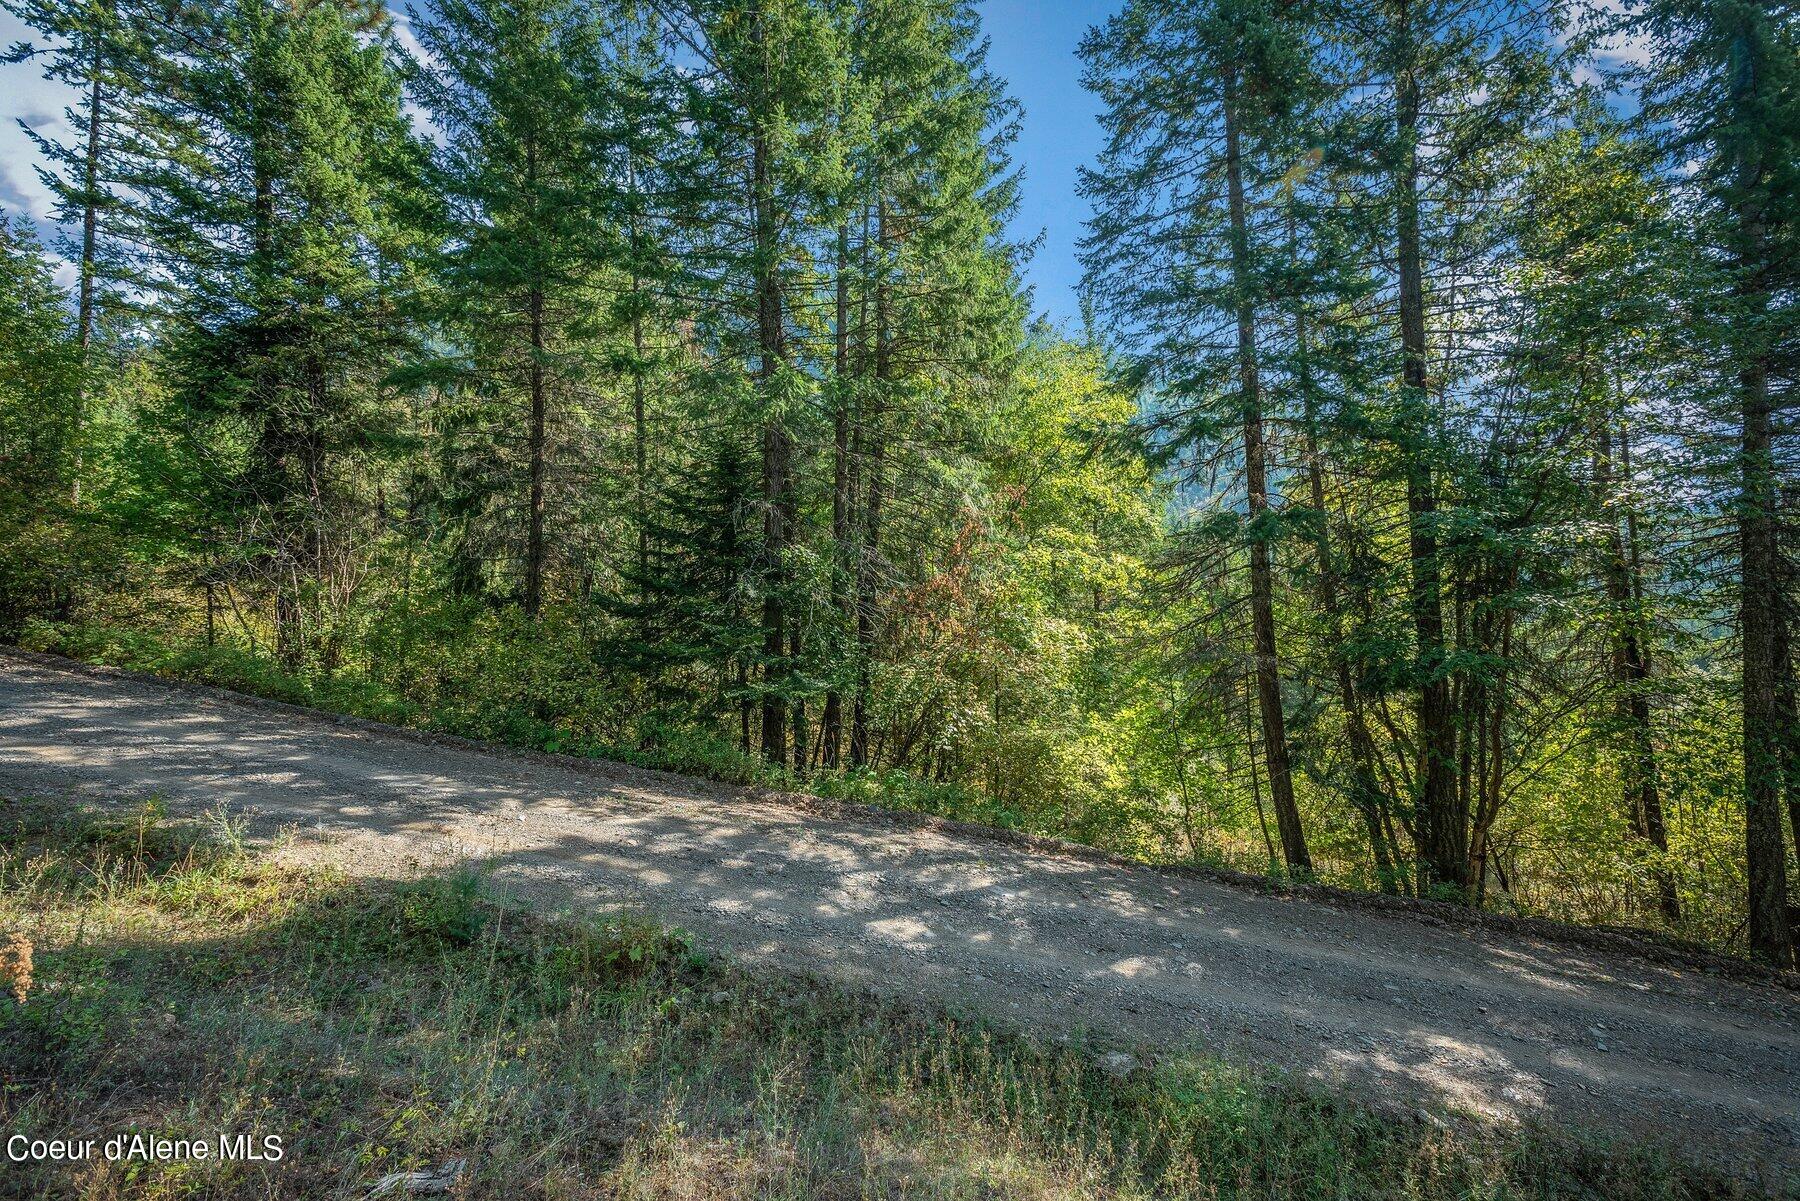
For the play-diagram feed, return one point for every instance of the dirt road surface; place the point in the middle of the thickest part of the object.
(1390, 1005)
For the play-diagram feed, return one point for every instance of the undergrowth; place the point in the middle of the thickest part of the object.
(189, 987)
(463, 708)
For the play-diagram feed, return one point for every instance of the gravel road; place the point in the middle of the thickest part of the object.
(1394, 1006)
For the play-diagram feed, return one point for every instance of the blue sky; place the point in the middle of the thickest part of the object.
(1033, 49)
(24, 96)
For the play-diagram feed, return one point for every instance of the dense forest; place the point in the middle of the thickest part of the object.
(1414, 510)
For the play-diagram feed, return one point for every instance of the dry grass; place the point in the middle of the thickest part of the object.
(189, 988)
(15, 966)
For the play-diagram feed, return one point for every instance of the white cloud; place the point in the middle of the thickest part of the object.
(25, 95)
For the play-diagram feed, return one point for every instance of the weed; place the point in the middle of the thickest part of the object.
(15, 966)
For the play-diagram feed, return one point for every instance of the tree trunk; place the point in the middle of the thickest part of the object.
(278, 440)
(876, 451)
(832, 735)
(865, 594)
(802, 734)
(287, 623)
(640, 431)
(1262, 818)
(1441, 825)
(744, 706)
(1631, 668)
(776, 453)
(1789, 707)
(1760, 605)
(1759, 612)
(534, 540)
(832, 732)
(314, 487)
(1262, 604)
(534, 442)
(90, 225)
(1487, 729)
(1365, 789)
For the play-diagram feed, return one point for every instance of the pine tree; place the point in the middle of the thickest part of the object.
(39, 385)
(1179, 257)
(1722, 89)
(277, 239)
(108, 52)
(519, 92)
(1462, 81)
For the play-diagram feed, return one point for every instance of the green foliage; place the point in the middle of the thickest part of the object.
(44, 549)
(1461, 298)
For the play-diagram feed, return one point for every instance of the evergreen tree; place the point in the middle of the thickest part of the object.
(108, 53)
(1462, 82)
(1600, 255)
(761, 110)
(933, 306)
(277, 247)
(39, 386)
(1722, 92)
(1181, 254)
(517, 90)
